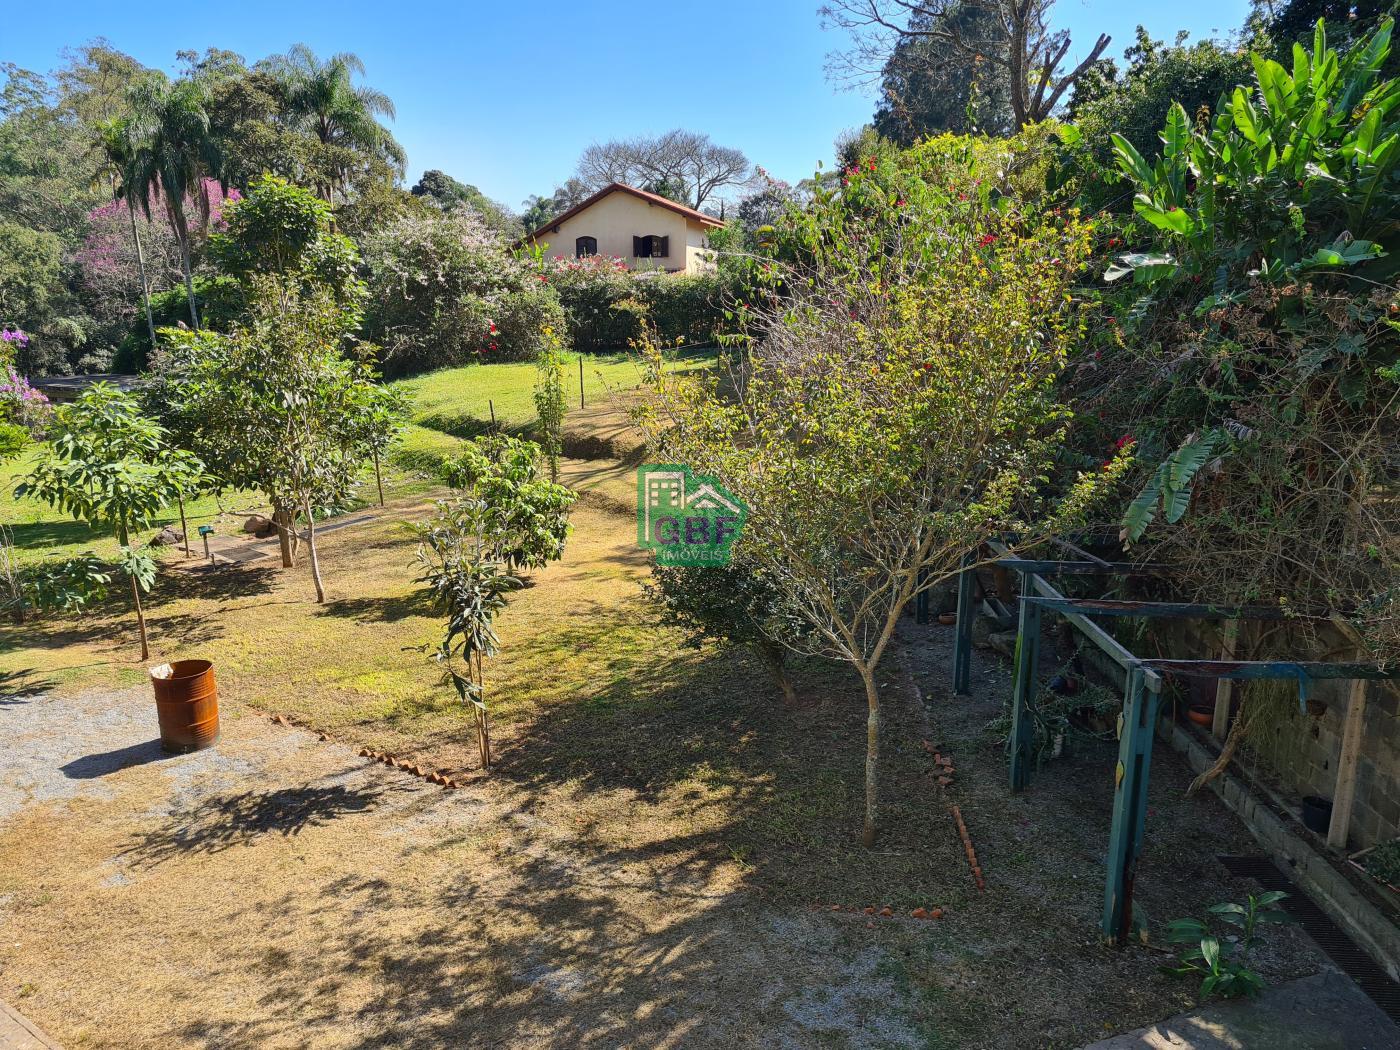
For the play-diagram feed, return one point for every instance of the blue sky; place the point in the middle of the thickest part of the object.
(506, 95)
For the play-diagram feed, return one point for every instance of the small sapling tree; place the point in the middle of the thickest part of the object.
(110, 467)
(549, 399)
(525, 516)
(502, 518)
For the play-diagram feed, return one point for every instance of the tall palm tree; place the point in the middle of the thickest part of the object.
(173, 154)
(321, 99)
(114, 142)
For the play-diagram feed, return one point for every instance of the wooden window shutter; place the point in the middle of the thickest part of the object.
(665, 246)
(637, 247)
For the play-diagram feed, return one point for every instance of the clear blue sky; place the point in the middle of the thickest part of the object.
(506, 94)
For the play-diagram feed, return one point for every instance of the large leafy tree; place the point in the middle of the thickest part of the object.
(1030, 55)
(112, 467)
(929, 84)
(173, 155)
(320, 98)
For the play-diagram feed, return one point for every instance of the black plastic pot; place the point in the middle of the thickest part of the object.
(1317, 813)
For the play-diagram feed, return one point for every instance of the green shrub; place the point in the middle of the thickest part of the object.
(13, 440)
(220, 303)
(446, 290)
(603, 302)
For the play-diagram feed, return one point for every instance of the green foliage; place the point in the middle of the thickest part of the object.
(273, 404)
(221, 300)
(108, 465)
(736, 603)
(1170, 486)
(1134, 104)
(448, 194)
(1257, 336)
(1298, 171)
(70, 585)
(604, 302)
(284, 230)
(469, 587)
(1223, 961)
(895, 405)
(445, 290)
(1383, 863)
(549, 400)
(14, 439)
(524, 517)
(932, 84)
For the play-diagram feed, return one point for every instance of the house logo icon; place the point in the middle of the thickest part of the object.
(685, 518)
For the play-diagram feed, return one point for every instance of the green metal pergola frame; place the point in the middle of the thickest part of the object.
(1142, 689)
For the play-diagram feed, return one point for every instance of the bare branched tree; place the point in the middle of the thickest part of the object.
(684, 159)
(1032, 60)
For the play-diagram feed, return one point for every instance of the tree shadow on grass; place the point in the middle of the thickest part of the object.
(225, 821)
(16, 687)
(386, 609)
(219, 583)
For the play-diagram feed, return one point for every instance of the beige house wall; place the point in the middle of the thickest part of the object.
(619, 217)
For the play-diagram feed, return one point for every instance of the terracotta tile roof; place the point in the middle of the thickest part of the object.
(650, 198)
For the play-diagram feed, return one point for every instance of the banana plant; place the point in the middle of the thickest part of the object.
(1289, 176)
(1169, 487)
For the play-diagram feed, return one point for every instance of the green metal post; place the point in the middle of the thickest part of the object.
(1136, 727)
(921, 602)
(962, 641)
(1027, 670)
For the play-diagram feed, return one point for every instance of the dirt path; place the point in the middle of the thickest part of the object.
(279, 891)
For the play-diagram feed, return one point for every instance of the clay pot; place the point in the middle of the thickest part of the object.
(1202, 716)
(947, 619)
(187, 705)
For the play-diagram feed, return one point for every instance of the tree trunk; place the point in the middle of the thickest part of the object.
(184, 529)
(189, 279)
(774, 659)
(140, 619)
(141, 265)
(872, 755)
(311, 555)
(378, 478)
(283, 520)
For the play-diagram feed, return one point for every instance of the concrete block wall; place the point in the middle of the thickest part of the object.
(1300, 749)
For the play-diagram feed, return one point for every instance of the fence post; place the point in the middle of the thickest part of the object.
(1136, 726)
(1027, 670)
(962, 641)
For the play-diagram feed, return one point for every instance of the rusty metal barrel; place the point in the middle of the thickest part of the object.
(187, 704)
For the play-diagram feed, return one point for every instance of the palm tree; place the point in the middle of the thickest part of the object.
(114, 141)
(173, 154)
(321, 99)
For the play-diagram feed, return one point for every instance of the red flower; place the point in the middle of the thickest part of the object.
(872, 163)
(544, 279)
(1126, 439)
(492, 329)
(899, 203)
(493, 346)
(987, 238)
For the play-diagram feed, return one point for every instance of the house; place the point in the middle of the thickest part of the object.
(646, 230)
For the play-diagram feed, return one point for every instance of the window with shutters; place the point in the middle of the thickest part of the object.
(653, 246)
(585, 246)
